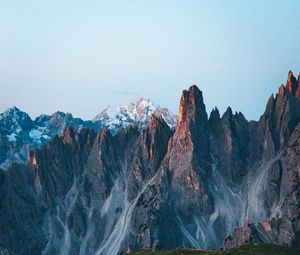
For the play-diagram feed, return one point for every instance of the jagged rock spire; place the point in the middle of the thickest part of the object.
(214, 119)
(192, 119)
(189, 147)
(291, 84)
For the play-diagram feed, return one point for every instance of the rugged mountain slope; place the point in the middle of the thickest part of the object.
(78, 192)
(211, 178)
(280, 185)
(273, 187)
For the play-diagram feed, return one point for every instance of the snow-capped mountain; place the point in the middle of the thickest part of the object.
(19, 133)
(15, 120)
(136, 113)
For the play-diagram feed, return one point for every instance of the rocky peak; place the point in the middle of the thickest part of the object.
(215, 114)
(60, 114)
(214, 119)
(58, 121)
(291, 84)
(228, 113)
(292, 88)
(15, 119)
(191, 106)
(190, 143)
(229, 143)
(144, 106)
(228, 116)
(136, 113)
(192, 112)
(12, 111)
(282, 90)
(278, 121)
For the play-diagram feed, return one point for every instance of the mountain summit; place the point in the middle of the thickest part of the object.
(137, 113)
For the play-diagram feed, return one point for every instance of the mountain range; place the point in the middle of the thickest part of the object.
(136, 180)
(19, 133)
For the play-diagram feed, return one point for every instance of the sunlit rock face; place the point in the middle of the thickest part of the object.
(217, 181)
(190, 141)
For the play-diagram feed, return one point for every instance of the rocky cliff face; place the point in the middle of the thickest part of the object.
(280, 196)
(212, 179)
(78, 192)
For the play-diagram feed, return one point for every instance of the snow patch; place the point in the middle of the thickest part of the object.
(35, 134)
(38, 133)
(12, 137)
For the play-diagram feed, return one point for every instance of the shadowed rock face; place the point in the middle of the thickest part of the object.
(212, 179)
(229, 139)
(77, 189)
(282, 197)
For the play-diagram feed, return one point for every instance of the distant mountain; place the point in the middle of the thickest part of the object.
(213, 181)
(19, 133)
(136, 114)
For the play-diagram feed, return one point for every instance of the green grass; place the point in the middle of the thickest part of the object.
(248, 249)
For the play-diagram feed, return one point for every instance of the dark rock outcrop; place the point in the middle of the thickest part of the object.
(229, 139)
(249, 233)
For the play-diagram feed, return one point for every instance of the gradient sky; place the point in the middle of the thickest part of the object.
(80, 56)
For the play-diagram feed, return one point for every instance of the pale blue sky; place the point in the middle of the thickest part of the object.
(80, 56)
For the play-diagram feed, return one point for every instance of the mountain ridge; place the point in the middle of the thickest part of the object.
(197, 186)
(20, 133)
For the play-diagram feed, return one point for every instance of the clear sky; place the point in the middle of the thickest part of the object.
(80, 56)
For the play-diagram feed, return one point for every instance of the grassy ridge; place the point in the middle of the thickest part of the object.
(249, 249)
